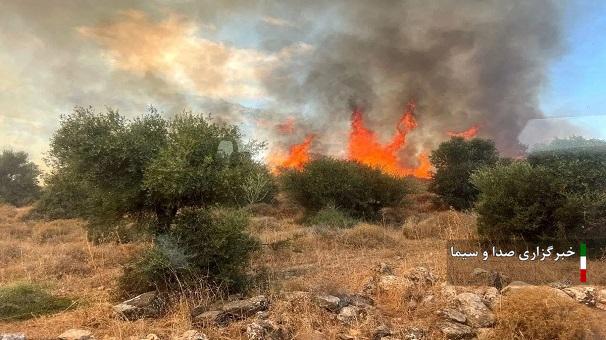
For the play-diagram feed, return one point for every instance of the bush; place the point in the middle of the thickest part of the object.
(21, 301)
(211, 245)
(18, 178)
(331, 217)
(454, 161)
(517, 199)
(354, 188)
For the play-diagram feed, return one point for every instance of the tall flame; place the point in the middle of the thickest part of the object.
(366, 149)
(467, 134)
(297, 157)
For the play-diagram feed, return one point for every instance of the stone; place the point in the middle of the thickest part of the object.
(234, 310)
(452, 314)
(449, 292)
(477, 313)
(601, 299)
(455, 330)
(392, 282)
(12, 336)
(192, 334)
(420, 276)
(329, 302)
(356, 300)
(350, 314)
(413, 333)
(479, 272)
(145, 305)
(491, 297)
(76, 334)
(584, 295)
(265, 330)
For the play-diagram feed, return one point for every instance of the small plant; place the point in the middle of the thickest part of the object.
(331, 217)
(20, 301)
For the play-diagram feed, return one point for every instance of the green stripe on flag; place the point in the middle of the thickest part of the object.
(583, 249)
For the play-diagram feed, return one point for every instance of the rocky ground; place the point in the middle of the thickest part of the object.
(368, 282)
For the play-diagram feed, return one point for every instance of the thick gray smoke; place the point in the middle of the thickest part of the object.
(463, 62)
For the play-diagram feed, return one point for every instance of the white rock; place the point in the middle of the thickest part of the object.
(477, 313)
(76, 334)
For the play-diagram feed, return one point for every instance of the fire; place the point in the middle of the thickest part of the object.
(467, 134)
(366, 149)
(297, 157)
(287, 127)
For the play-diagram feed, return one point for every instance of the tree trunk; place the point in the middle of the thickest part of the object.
(165, 216)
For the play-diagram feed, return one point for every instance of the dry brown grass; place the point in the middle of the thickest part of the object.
(294, 258)
(540, 314)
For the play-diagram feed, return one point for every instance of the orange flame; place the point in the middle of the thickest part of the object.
(366, 149)
(467, 134)
(297, 157)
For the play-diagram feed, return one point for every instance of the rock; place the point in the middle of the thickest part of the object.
(392, 282)
(601, 299)
(145, 305)
(192, 334)
(413, 333)
(449, 292)
(235, 310)
(479, 272)
(76, 334)
(452, 315)
(420, 276)
(559, 284)
(491, 297)
(350, 314)
(264, 330)
(478, 315)
(356, 300)
(12, 336)
(455, 330)
(584, 295)
(329, 302)
(498, 280)
(515, 286)
(342, 336)
(381, 332)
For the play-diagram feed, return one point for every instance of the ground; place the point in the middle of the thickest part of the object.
(57, 256)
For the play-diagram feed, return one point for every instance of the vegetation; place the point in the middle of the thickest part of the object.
(357, 190)
(455, 161)
(18, 178)
(331, 217)
(213, 245)
(19, 301)
(106, 168)
(559, 192)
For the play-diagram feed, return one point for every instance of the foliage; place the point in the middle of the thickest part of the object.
(18, 178)
(454, 161)
(19, 301)
(259, 187)
(517, 199)
(108, 168)
(212, 245)
(331, 217)
(356, 189)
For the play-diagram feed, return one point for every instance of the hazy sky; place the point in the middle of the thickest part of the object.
(238, 60)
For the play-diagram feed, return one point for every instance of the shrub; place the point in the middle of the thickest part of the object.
(354, 188)
(517, 199)
(211, 245)
(454, 162)
(21, 301)
(108, 169)
(331, 217)
(18, 178)
(368, 236)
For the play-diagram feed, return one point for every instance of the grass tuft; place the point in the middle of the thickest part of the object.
(20, 301)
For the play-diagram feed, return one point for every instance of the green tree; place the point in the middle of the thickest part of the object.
(18, 178)
(145, 169)
(455, 161)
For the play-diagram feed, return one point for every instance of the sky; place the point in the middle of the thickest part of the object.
(259, 64)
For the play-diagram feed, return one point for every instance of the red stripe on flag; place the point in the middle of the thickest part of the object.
(583, 275)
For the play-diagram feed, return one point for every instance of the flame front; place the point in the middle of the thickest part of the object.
(467, 134)
(297, 157)
(366, 149)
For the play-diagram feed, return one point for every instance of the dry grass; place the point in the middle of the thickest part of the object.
(294, 258)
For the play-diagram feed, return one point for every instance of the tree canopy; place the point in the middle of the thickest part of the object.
(18, 178)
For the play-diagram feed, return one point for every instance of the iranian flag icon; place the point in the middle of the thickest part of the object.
(583, 264)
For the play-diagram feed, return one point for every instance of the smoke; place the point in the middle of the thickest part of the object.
(463, 62)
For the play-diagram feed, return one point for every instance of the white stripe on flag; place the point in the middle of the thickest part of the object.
(583, 262)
